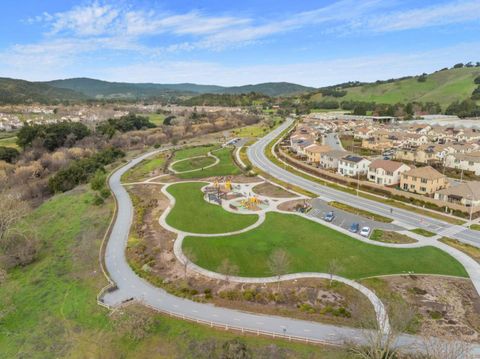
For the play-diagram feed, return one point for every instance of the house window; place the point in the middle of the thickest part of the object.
(423, 189)
(424, 180)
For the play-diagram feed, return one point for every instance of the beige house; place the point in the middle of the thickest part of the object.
(314, 151)
(385, 172)
(464, 161)
(466, 194)
(423, 180)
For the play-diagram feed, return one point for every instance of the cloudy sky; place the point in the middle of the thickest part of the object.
(314, 43)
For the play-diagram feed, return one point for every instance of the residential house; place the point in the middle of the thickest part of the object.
(314, 151)
(329, 160)
(353, 166)
(466, 194)
(464, 161)
(423, 180)
(385, 172)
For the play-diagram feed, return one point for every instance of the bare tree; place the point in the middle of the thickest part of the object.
(190, 257)
(379, 343)
(279, 263)
(228, 269)
(445, 348)
(334, 268)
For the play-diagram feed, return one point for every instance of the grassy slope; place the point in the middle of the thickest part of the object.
(225, 167)
(141, 170)
(9, 142)
(193, 163)
(48, 309)
(192, 214)
(311, 247)
(443, 87)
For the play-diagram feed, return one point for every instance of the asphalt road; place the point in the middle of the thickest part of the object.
(332, 140)
(402, 217)
(129, 286)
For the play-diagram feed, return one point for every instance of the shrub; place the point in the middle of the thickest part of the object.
(8, 154)
(80, 171)
(52, 136)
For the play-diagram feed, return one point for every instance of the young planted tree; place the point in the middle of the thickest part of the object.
(190, 257)
(279, 263)
(228, 269)
(334, 268)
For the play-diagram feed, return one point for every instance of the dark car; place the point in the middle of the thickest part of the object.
(354, 228)
(329, 217)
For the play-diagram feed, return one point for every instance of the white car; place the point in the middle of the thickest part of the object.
(365, 231)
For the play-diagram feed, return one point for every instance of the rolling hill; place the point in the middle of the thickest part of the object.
(444, 87)
(14, 91)
(104, 89)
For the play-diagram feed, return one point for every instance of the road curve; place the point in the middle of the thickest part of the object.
(129, 286)
(405, 218)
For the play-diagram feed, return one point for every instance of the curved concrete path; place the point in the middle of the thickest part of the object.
(209, 154)
(403, 218)
(129, 286)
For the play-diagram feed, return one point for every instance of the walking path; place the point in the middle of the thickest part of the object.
(129, 286)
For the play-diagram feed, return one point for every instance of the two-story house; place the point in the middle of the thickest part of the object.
(353, 166)
(423, 180)
(385, 172)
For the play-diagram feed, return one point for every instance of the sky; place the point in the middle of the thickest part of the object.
(313, 43)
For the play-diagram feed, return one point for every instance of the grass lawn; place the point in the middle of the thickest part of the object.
(155, 118)
(466, 248)
(49, 309)
(311, 246)
(193, 163)
(423, 232)
(192, 213)
(225, 167)
(9, 142)
(141, 171)
(475, 227)
(192, 152)
(390, 237)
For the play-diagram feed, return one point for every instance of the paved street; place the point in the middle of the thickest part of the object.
(403, 218)
(332, 140)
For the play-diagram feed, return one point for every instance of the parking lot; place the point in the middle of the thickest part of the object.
(345, 219)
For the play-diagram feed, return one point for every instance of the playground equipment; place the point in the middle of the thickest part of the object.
(251, 202)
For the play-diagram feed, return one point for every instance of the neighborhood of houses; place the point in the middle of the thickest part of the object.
(440, 163)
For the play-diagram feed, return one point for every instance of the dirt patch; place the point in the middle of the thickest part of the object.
(270, 190)
(448, 307)
(150, 253)
(295, 205)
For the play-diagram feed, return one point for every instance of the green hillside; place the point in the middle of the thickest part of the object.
(14, 91)
(104, 89)
(443, 87)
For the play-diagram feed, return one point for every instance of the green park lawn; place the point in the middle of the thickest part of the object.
(193, 152)
(193, 163)
(192, 213)
(311, 247)
(9, 142)
(49, 310)
(225, 167)
(141, 171)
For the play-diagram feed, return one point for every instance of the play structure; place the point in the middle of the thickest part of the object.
(250, 203)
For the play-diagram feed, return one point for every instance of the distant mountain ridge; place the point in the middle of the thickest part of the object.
(103, 89)
(13, 91)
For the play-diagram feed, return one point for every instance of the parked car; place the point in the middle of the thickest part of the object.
(354, 228)
(329, 217)
(365, 232)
